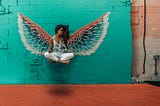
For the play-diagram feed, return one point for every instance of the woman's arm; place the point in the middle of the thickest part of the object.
(68, 50)
(51, 45)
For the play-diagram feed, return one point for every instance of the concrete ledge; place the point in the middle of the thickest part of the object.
(80, 95)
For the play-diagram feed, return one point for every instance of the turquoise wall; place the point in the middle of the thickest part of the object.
(111, 63)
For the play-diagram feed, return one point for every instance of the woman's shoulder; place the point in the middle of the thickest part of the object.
(52, 39)
(53, 36)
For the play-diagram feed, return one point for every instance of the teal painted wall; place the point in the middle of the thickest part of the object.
(110, 64)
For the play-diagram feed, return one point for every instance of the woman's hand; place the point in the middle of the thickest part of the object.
(68, 50)
(51, 45)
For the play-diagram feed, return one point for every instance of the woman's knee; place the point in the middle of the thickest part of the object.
(46, 54)
(71, 55)
(67, 56)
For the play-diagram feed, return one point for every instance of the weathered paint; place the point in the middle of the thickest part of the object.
(110, 64)
(152, 38)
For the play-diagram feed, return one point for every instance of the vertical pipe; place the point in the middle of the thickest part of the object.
(156, 57)
(144, 37)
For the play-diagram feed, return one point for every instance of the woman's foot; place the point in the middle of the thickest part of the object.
(52, 61)
(64, 61)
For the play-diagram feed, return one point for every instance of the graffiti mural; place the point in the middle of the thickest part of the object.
(84, 41)
(99, 44)
(4, 10)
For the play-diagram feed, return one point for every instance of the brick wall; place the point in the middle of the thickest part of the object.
(110, 64)
(152, 40)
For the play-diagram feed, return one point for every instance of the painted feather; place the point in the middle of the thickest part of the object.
(87, 39)
(84, 41)
(34, 38)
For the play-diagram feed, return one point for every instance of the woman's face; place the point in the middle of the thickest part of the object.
(60, 32)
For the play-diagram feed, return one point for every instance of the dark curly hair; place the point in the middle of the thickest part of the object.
(66, 32)
(59, 27)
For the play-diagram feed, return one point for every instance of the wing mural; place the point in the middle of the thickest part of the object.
(84, 41)
(87, 39)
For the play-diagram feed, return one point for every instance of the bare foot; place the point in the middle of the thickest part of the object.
(52, 61)
(64, 61)
(67, 62)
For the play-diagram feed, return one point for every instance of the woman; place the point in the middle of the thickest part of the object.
(58, 51)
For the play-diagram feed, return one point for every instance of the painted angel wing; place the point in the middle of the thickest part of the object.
(87, 39)
(34, 38)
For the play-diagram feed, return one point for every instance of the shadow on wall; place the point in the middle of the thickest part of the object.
(61, 76)
(42, 70)
(60, 90)
(60, 73)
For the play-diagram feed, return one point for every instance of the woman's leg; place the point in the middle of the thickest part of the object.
(51, 56)
(66, 56)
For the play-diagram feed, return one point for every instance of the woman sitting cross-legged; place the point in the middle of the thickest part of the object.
(58, 51)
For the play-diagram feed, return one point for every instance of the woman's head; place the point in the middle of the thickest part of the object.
(60, 29)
